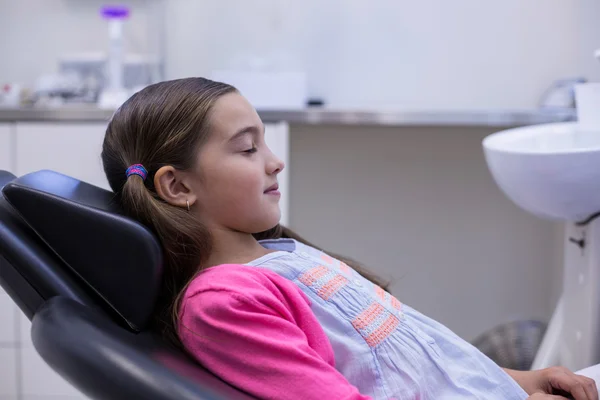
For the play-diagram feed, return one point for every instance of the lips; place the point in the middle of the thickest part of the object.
(272, 188)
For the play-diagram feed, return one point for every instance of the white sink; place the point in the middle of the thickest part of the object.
(550, 170)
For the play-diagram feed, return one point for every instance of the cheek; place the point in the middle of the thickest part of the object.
(233, 196)
(244, 182)
(235, 188)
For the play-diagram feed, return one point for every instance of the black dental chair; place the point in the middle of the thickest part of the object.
(88, 278)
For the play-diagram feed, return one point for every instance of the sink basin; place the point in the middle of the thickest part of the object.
(550, 170)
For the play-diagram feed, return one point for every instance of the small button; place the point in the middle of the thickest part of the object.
(357, 282)
(581, 279)
(578, 336)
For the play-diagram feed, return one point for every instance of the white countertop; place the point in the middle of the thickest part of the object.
(324, 116)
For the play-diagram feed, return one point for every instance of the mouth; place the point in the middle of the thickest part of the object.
(274, 189)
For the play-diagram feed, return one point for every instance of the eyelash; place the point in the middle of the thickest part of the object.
(251, 151)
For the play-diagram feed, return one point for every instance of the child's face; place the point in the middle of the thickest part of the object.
(236, 169)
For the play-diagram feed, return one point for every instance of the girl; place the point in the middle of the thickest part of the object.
(253, 302)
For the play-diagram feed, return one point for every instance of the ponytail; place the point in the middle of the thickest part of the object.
(185, 241)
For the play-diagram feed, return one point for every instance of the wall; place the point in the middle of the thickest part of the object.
(428, 54)
(431, 54)
(419, 206)
(588, 37)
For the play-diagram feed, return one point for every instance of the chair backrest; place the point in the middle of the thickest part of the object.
(88, 277)
(29, 272)
(116, 260)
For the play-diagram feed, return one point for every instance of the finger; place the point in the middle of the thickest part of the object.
(575, 387)
(569, 383)
(589, 385)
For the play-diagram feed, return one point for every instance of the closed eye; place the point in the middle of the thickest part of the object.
(251, 151)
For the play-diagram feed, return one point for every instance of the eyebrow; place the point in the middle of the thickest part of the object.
(253, 130)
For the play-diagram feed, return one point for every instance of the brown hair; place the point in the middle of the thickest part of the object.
(165, 124)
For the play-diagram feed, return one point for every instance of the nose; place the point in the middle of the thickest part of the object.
(275, 165)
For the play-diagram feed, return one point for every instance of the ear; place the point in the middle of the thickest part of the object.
(171, 187)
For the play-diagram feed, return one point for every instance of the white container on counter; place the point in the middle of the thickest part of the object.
(268, 89)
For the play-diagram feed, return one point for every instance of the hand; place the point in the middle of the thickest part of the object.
(556, 381)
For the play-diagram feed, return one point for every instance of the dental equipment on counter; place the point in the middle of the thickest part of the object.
(103, 77)
(553, 171)
(115, 93)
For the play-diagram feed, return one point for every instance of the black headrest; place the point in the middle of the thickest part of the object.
(30, 273)
(116, 257)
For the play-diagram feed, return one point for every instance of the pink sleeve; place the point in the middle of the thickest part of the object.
(251, 339)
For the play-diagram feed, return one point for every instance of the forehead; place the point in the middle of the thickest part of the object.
(230, 114)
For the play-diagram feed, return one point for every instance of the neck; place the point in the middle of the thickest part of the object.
(231, 247)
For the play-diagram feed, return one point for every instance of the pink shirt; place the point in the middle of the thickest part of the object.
(256, 330)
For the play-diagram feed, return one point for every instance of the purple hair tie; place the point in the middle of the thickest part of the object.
(137, 169)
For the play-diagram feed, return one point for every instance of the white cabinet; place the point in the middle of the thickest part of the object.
(9, 347)
(72, 149)
(69, 148)
(7, 308)
(6, 147)
(8, 321)
(8, 373)
(9, 340)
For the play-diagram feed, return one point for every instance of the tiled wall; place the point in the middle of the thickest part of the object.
(9, 348)
(37, 380)
(9, 335)
(23, 373)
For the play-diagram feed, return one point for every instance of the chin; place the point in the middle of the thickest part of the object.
(267, 224)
